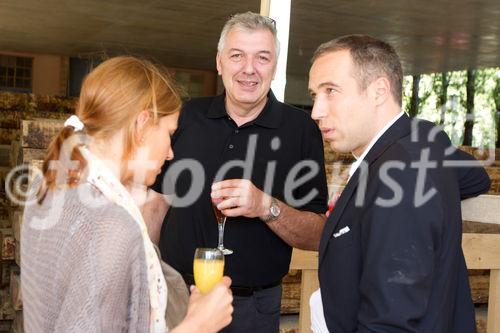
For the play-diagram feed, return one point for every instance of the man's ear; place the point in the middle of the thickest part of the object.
(140, 124)
(217, 63)
(381, 90)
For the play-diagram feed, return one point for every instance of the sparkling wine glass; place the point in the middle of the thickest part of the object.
(221, 222)
(208, 268)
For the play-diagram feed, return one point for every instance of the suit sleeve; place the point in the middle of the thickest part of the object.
(399, 246)
(472, 180)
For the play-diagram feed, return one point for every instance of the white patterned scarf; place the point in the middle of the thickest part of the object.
(101, 177)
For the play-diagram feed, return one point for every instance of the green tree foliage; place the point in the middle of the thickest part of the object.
(451, 110)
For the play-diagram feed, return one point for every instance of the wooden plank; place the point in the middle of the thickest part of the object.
(302, 259)
(15, 290)
(16, 218)
(26, 155)
(15, 146)
(480, 228)
(265, 6)
(493, 325)
(482, 209)
(38, 133)
(310, 284)
(5, 155)
(17, 255)
(482, 251)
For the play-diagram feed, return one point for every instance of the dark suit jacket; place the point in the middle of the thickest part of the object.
(390, 258)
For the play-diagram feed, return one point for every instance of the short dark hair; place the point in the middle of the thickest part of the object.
(372, 58)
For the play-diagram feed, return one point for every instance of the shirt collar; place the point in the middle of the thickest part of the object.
(360, 159)
(270, 115)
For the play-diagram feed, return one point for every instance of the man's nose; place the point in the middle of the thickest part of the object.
(317, 110)
(249, 67)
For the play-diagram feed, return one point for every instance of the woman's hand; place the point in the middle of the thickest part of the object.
(210, 312)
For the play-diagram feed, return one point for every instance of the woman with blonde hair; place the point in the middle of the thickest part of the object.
(88, 264)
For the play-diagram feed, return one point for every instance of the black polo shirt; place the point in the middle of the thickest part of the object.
(283, 137)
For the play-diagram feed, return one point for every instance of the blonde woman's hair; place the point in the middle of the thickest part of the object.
(112, 97)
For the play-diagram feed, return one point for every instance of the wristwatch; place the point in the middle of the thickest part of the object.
(274, 211)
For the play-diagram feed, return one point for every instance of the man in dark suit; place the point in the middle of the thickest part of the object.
(390, 257)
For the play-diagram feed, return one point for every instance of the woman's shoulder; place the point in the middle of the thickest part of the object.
(82, 209)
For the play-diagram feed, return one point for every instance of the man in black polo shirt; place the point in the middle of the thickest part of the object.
(275, 192)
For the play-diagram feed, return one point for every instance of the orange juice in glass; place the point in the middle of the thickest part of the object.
(208, 268)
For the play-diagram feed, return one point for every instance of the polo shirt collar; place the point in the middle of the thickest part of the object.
(270, 116)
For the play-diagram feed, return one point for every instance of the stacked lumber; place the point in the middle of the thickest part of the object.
(35, 136)
(27, 124)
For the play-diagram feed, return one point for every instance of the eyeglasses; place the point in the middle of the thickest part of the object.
(273, 22)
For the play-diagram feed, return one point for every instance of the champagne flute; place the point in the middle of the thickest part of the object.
(208, 268)
(221, 222)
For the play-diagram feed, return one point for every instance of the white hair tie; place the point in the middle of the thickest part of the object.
(75, 122)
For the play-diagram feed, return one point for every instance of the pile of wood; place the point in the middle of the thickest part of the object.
(35, 136)
(23, 139)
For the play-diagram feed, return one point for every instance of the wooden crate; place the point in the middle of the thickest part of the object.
(7, 244)
(38, 133)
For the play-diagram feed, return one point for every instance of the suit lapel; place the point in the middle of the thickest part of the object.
(334, 218)
(399, 129)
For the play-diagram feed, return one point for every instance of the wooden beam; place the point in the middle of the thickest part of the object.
(310, 284)
(482, 209)
(493, 325)
(482, 251)
(265, 7)
(304, 259)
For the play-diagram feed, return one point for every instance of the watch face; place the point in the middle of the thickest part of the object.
(275, 210)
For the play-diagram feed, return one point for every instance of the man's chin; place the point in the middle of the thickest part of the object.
(336, 147)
